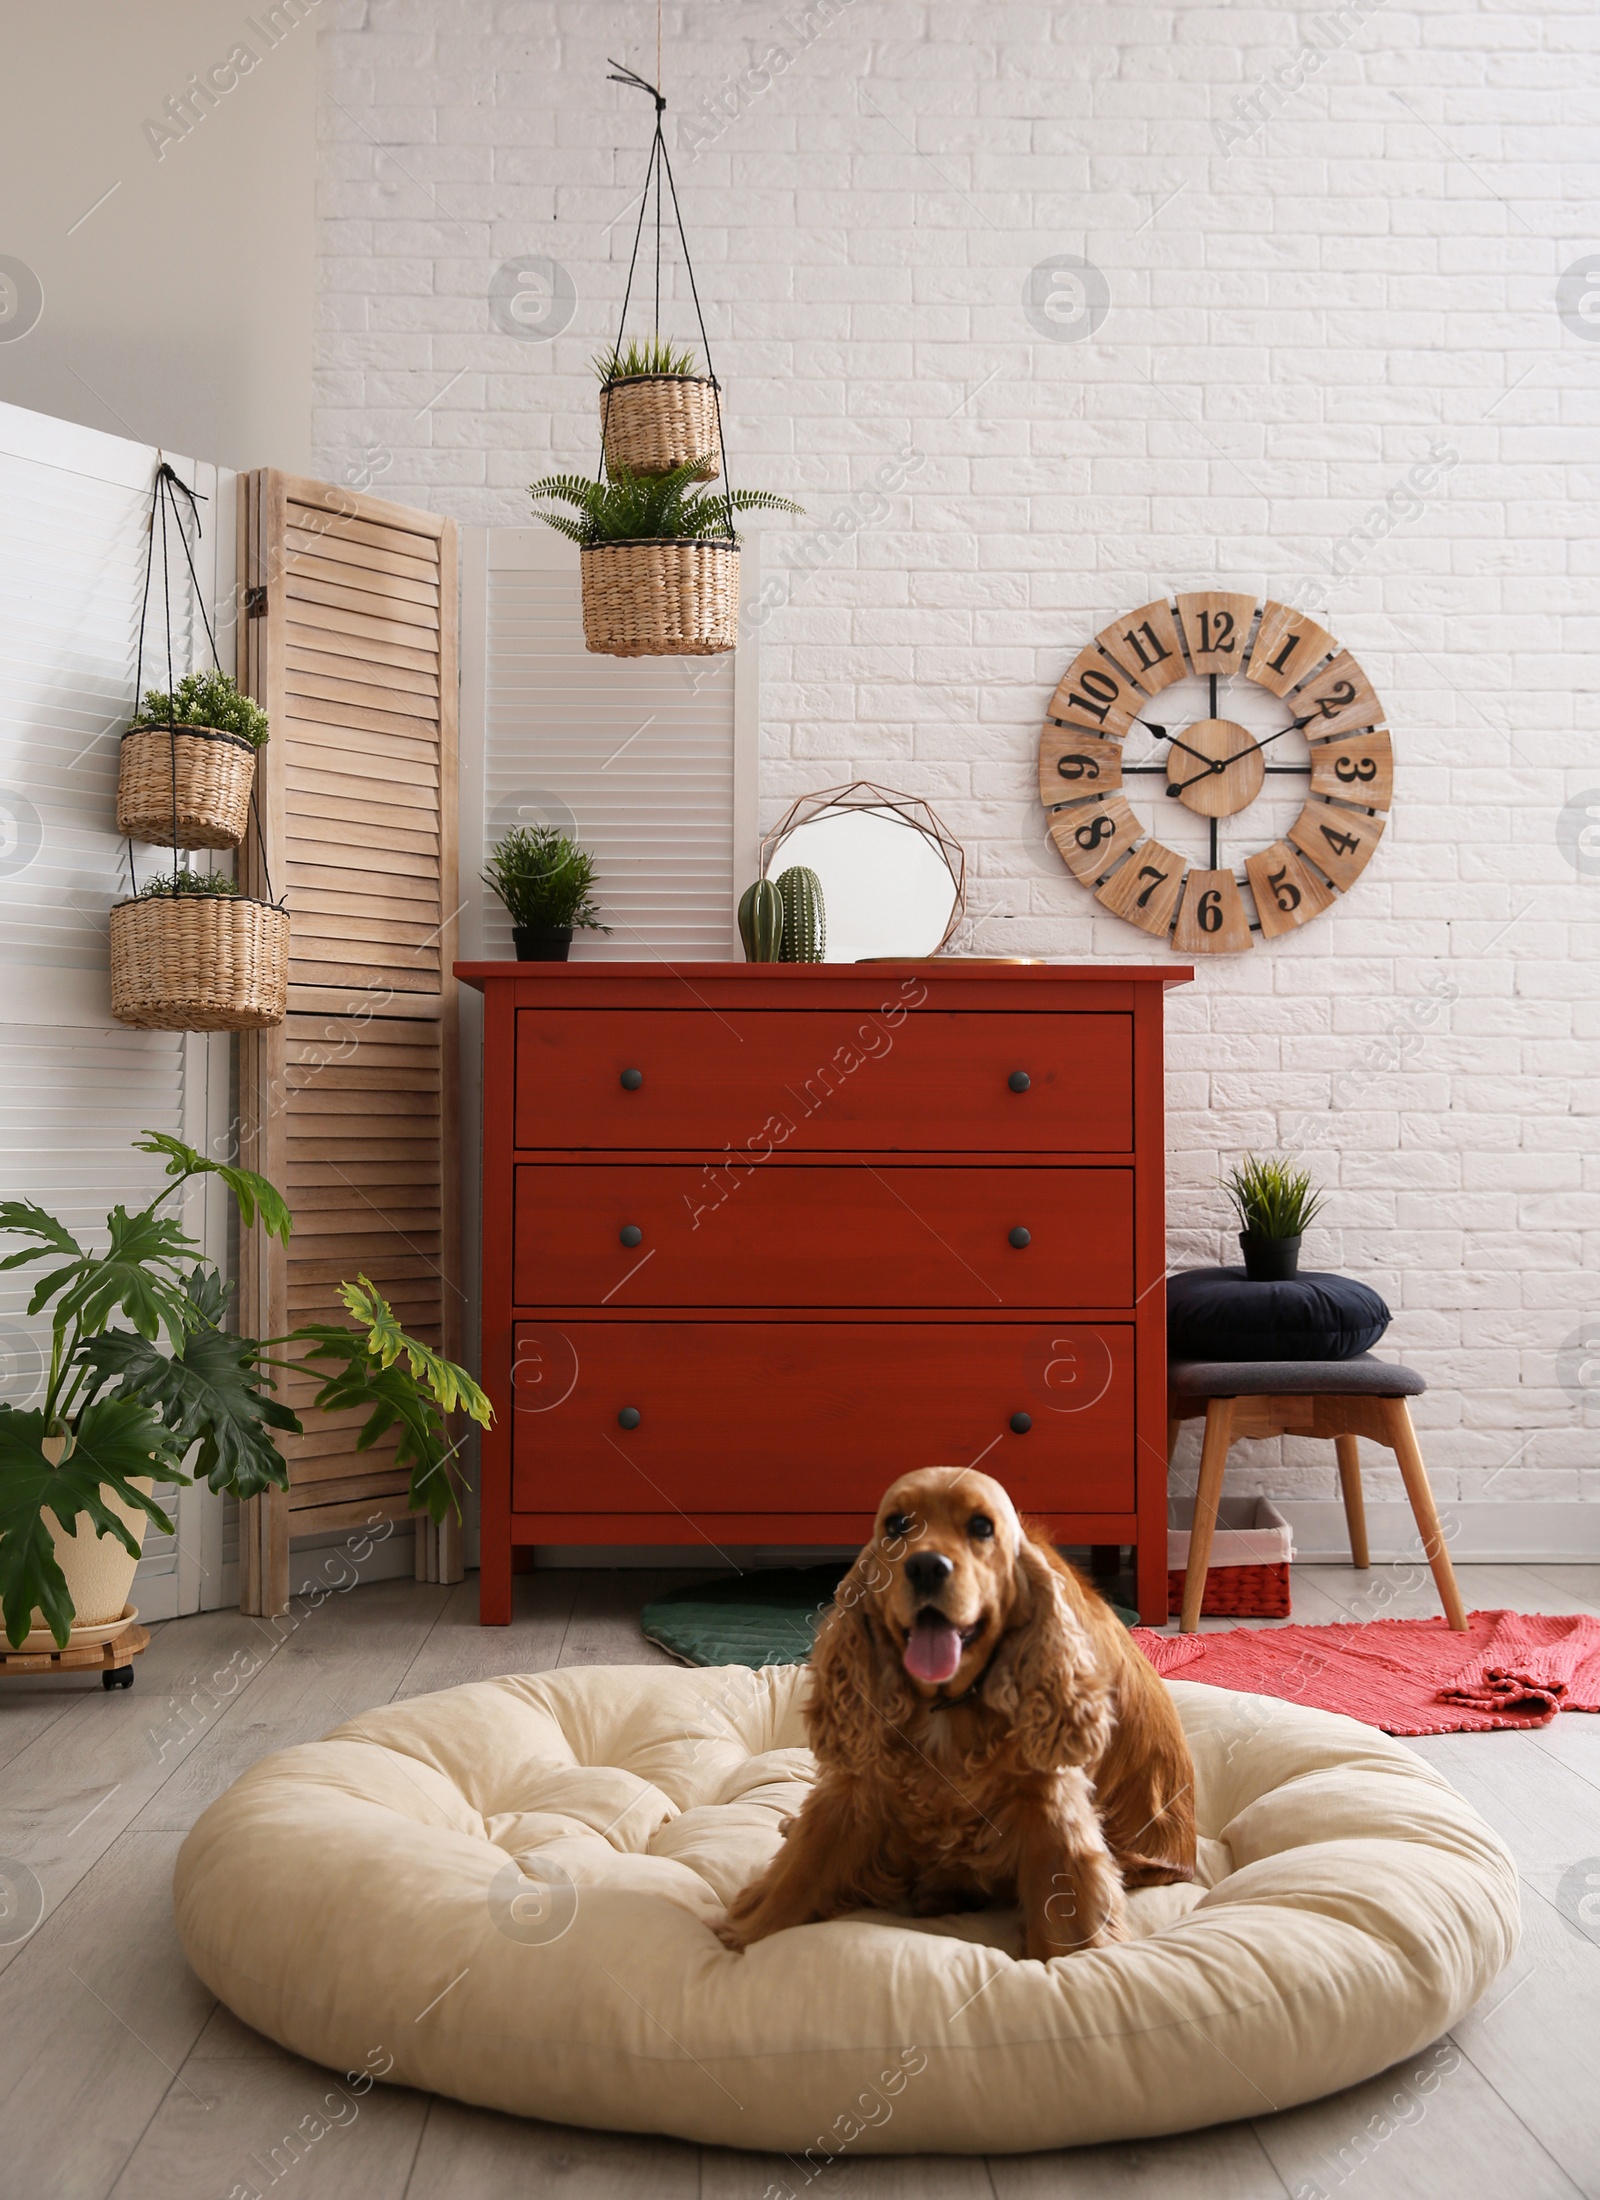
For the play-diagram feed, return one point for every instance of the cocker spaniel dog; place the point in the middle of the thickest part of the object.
(984, 1732)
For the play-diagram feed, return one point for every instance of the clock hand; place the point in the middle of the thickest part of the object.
(1221, 763)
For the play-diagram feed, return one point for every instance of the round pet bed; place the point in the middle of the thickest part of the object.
(506, 1893)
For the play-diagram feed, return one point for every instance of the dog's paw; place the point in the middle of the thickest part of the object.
(730, 1936)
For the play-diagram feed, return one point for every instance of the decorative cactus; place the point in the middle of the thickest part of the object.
(761, 922)
(805, 926)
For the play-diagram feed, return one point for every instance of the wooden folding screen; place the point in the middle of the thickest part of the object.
(348, 640)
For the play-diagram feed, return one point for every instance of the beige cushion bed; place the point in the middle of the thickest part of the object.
(506, 1892)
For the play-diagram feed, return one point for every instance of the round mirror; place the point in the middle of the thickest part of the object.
(892, 878)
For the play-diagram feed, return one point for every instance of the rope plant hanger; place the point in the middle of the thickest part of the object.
(188, 951)
(660, 560)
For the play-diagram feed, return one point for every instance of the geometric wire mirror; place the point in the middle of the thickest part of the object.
(893, 877)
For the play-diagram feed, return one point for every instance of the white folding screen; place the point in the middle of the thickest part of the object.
(78, 1087)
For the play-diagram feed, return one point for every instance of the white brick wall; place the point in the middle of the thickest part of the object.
(1296, 318)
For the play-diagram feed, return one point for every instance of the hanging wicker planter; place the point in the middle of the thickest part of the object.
(184, 786)
(655, 422)
(199, 962)
(661, 598)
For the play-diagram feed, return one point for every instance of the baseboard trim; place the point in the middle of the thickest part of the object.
(1526, 1531)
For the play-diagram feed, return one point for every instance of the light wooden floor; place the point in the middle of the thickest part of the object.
(119, 2075)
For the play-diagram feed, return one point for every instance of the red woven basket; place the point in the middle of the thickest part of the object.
(1238, 1592)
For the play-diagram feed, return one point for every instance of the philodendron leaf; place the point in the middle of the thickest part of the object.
(140, 1275)
(256, 1197)
(116, 1439)
(450, 1387)
(31, 1221)
(210, 1390)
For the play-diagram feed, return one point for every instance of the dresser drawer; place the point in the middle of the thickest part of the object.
(793, 1234)
(824, 1080)
(816, 1416)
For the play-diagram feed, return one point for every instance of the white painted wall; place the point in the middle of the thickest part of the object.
(173, 252)
(1299, 314)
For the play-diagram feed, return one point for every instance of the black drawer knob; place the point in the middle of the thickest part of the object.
(1021, 1423)
(1019, 1080)
(1019, 1237)
(632, 1079)
(631, 1234)
(629, 1417)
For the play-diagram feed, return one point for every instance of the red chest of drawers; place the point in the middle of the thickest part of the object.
(756, 1238)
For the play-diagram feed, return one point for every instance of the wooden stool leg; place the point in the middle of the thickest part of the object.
(1207, 1497)
(1355, 1509)
(1402, 1441)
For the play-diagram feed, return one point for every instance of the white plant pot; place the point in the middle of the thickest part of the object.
(99, 1572)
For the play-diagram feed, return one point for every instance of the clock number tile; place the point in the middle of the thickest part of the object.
(1073, 764)
(1216, 628)
(1339, 699)
(1287, 649)
(1287, 894)
(1338, 841)
(1091, 838)
(1212, 919)
(1145, 891)
(1357, 769)
(1147, 646)
(1095, 695)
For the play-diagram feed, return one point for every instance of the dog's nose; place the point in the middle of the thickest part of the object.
(928, 1572)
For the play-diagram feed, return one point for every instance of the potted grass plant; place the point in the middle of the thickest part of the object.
(660, 561)
(189, 952)
(1275, 1204)
(656, 411)
(187, 764)
(142, 1369)
(545, 881)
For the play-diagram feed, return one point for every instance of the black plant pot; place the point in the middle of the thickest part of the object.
(1270, 1260)
(542, 944)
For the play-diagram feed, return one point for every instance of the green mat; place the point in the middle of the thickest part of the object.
(766, 1617)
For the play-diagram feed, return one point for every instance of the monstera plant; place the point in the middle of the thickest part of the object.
(143, 1369)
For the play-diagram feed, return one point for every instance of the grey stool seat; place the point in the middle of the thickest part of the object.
(1344, 1399)
(1361, 1377)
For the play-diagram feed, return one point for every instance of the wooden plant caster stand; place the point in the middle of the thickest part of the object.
(113, 1660)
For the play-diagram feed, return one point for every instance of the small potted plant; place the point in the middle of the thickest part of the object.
(125, 1400)
(189, 952)
(656, 412)
(545, 882)
(188, 762)
(1275, 1203)
(660, 564)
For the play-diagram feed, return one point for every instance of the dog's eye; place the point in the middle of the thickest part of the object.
(980, 1527)
(897, 1525)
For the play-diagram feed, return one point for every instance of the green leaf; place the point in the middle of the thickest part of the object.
(140, 1276)
(255, 1195)
(451, 1387)
(115, 1440)
(211, 1391)
(23, 1216)
(629, 507)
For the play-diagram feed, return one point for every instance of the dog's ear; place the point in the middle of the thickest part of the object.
(1045, 1679)
(855, 1690)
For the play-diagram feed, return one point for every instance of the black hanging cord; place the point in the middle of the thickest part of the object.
(658, 163)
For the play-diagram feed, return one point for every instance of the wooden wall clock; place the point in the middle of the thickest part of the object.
(1097, 737)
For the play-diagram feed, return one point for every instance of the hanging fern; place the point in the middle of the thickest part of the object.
(648, 508)
(654, 355)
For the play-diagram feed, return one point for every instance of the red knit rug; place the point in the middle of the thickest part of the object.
(1407, 1676)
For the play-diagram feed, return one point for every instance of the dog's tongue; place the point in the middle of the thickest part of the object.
(933, 1648)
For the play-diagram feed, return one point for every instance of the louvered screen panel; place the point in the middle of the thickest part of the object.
(353, 654)
(634, 755)
(78, 1087)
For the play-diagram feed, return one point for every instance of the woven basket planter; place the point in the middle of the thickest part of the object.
(1250, 1554)
(654, 422)
(188, 788)
(678, 598)
(199, 962)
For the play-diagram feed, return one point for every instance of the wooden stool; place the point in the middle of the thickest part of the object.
(1343, 1399)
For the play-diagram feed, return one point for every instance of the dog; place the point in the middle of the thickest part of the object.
(985, 1732)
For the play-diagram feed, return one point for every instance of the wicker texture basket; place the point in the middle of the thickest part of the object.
(199, 962)
(677, 598)
(654, 422)
(188, 788)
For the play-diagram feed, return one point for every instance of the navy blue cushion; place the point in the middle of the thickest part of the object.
(1219, 1314)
